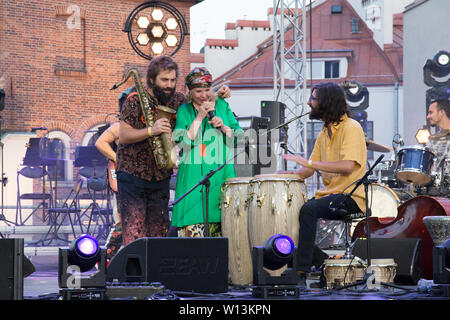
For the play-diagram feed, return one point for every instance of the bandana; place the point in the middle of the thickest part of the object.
(198, 78)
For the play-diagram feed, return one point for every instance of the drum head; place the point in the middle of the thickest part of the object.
(383, 201)
(415, 177)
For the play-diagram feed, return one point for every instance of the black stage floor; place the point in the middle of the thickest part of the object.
(43, 285)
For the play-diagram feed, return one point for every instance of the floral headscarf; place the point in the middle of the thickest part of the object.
(198, 78)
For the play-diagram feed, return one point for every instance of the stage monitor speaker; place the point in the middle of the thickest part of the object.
(275, 111)
(11, 269)
(181, 264)
(405, 252)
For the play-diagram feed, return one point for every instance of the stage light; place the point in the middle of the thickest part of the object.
(157, 31)
(357, 95)
(81, 256)
(441, 263)
(422, 135)
(148, 26)
(143, 39)
(171, 24)
(171, 40)
(278, 251)
(143, 22)
(440, 66)
(157, 48)
(437, 67)
(157, 14)
(84, 252)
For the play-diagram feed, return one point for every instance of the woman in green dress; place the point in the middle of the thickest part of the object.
(206, 143)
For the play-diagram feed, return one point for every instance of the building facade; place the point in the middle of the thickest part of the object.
(58, 63)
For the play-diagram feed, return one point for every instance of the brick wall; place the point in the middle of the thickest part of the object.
(57, 71)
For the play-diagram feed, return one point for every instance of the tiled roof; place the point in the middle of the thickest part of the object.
(331, 37)
(197, 57)
(222, 42)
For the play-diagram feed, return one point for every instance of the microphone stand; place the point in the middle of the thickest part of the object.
(364, 180)
(205, 182)
(284, 143)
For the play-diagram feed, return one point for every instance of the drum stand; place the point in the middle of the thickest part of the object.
(368, 275)
(205, 182)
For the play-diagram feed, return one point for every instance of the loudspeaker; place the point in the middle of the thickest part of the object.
(274, 110)
(11, 269)
(405, 252)
(182, 264)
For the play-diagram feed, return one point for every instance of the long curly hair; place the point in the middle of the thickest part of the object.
(332, 102)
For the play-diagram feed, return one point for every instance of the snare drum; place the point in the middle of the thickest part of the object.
(234, 210)
(414, 165)
(383, 201)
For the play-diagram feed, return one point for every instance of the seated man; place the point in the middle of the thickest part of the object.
(340, 154)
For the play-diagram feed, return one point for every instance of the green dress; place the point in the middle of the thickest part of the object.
(208, 151)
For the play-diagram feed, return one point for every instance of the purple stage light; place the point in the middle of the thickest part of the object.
(284, 245)
(87, 245)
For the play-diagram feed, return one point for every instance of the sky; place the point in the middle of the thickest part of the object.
(208, 18)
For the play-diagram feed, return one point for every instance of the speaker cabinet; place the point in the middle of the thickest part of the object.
(183, 264)
(275, 111)
(405, 252)
(11, 269)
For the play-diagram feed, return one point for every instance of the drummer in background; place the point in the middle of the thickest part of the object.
(340, 155)
(439, 143)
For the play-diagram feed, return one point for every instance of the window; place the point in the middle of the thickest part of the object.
(331, 69)
(323, 69)
(354, 25)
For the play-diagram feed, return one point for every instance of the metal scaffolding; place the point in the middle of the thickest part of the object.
(289, 62)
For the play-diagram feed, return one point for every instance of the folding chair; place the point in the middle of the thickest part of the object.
(45, 197)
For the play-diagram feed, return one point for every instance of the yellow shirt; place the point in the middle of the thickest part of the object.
(347, 143)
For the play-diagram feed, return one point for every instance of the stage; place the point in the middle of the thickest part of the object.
(43, 285)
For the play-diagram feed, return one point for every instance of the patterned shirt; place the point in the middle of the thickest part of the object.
(439, 144)
(137, 158)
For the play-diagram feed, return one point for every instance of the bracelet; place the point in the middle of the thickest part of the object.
(310, 164)
(149, 130)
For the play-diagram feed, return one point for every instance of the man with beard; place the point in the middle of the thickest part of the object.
(143, 188)
(340, 154)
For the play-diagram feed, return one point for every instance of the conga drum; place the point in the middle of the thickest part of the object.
(275, 205)
(234, 211)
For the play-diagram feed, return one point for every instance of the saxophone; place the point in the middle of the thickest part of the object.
(162, 145)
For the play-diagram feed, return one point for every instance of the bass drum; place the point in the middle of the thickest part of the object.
(234, 210)
(383, 202)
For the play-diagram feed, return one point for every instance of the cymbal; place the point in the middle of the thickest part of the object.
(373, 146)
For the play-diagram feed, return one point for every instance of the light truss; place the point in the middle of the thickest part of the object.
(289, 62)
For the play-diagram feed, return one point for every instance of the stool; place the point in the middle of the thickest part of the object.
(348, 219)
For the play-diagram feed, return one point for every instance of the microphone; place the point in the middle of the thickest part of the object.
(34, 129)
(211, 114)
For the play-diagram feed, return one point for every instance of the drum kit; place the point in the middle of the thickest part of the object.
(413, 171)
(255, 208)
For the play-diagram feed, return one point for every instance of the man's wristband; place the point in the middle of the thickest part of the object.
(149, 130)
(310, 164)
